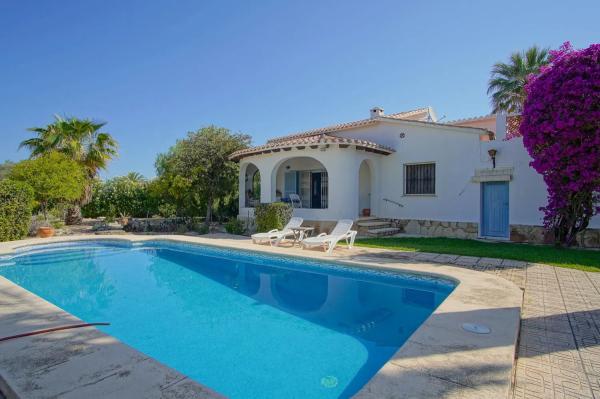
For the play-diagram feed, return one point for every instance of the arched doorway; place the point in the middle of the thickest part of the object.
(302, 181)
(251, 186)
(364, 188)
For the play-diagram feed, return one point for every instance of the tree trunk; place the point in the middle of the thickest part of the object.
(44, 207)
(574, 219)
(73, 215)
(209, 205)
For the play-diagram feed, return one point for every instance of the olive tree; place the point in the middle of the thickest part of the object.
(202, 161)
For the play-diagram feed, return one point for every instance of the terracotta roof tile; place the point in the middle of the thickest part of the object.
(313, 139)
(415, 114)
(326, 129)
(472, 119)
(322, 135)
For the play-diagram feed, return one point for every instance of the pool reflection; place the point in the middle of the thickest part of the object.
(381, 313)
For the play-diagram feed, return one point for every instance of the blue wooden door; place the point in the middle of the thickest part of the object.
(494, 209)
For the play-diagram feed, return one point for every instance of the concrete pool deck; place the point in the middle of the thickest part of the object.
(440, 359)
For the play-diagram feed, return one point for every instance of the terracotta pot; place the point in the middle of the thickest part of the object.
(45, 232)
(366, 212)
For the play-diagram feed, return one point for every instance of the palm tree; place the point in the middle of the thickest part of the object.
(135, 177)
(507, 81)
(80, 139)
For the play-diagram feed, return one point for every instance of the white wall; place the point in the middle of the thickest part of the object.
(342, 165)
(456, 152)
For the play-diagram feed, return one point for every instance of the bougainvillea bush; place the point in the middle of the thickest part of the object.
(561, 131)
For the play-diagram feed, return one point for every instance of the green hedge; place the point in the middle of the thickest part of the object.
(16, 203)
(235, 226)
(272, 216)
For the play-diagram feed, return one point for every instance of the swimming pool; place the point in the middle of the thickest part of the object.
(247, 325)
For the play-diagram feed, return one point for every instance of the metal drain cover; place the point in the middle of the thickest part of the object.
(329, 381)
(476, 328)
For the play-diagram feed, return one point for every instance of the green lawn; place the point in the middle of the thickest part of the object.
(582, 259)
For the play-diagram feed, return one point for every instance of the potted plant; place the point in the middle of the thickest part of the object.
(123, 219)
(45, 231)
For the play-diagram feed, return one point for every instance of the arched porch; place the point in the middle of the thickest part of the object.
(251, 185)
(302, 181)
(324, 181)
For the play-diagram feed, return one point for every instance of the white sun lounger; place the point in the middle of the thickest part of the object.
(275, 236)
(341, 231)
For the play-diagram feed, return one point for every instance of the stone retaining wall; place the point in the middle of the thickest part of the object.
(436, 228)
(163, 225)
(518, 232)
(589, 238)
(468, 230)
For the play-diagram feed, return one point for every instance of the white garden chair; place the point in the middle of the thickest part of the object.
(341, 231)
(295, 200)
(275, 236)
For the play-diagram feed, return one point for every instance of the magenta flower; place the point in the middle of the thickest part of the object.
(560, 126)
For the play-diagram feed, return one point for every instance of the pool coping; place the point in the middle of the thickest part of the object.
(440, 359)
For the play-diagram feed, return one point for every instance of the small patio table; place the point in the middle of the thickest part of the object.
(301, 232)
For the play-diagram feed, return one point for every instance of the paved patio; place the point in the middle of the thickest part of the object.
(559, 341)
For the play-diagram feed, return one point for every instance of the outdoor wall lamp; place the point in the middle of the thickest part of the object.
(493, 153)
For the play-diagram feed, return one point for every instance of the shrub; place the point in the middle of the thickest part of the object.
(167, 210)
(57, 224)
(272, 216)
(54, 177)
(201, 228)
(123, 196)
(16, 203)
(561, 130)
(235, 226)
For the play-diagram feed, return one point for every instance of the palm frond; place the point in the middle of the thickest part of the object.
(506, 86)
(80, 139)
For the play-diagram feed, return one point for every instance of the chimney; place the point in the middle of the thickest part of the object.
(501, 126)
(376, 111)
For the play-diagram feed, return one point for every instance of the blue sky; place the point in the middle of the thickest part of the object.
(155, 70)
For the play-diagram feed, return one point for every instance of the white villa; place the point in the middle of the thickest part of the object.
(404, 172)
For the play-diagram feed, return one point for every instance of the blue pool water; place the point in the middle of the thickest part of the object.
(247, 325)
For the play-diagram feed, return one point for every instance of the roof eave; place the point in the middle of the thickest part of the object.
(239, 155)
